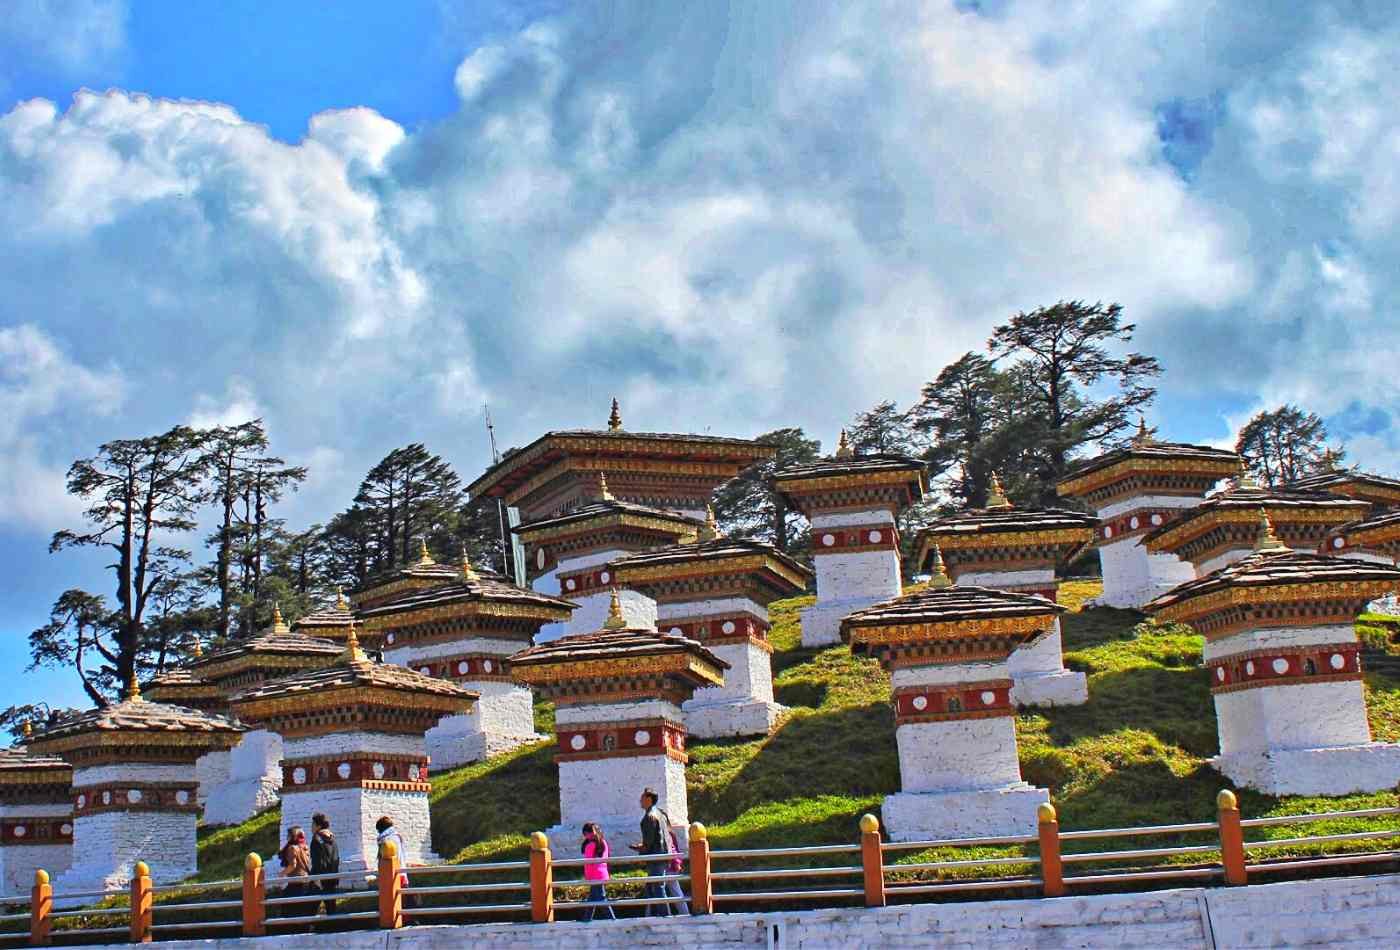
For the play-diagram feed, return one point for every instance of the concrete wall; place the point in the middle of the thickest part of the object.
(1341, 912)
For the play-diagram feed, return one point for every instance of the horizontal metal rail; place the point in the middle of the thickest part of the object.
(1319, 839)
(954, 843)
(310, 898)
(1074, 858)
(319, 918)
(318, 878)
(451, 868)
(628, 859)
(785, 852)
(206, 905)
(951, 865)
(464, 888)
(1335, 860)
(649, 879)
(74, 894)
(1181, 829)
(998, 883)
(196, 925)
(92, 932)
(11, 918)
(622, 902)
(786, 895)
(1144, 875)
(465, 909)
(782, 872)
(1318, 816)
(90, 912)
(206, 886)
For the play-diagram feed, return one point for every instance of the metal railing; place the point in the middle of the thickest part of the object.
(871, 871)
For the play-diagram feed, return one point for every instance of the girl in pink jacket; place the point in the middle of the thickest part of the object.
(596, 846)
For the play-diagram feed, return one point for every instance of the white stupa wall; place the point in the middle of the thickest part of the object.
(1370, 557)
(847, 582)
(744, 705)
(638, 609)
(503, 719)
(1131, 574)
(607, 790)
(959, 777)
(19, 861)
(352, 810)
(1298, 737)
(254, 780)
(108, 843)
(212, 771)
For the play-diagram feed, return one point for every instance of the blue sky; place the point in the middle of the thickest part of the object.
(361, 221)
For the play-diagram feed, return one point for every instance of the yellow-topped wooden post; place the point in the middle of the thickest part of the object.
(1231, 838)
(40, 907)
(254, 896)
(701, 899)
(1052, 870)
(541, 879)
(142, 900)
(872, 861)
(390, 894)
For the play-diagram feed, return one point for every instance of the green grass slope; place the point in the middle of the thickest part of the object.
(1135, 754)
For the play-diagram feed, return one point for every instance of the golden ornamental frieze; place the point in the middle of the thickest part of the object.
(1203, 520)
(684, 570)
(896, 633)
(191, 744)
(46, 776)
(602, 669)
(719, 471)
(1202, 468)
(1266, 594)
(329, 699)
(871, 480)
(602, 523)
(1007, 539)
(466, 610)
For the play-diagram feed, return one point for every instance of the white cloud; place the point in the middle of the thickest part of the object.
(236, 406)
(63, 35)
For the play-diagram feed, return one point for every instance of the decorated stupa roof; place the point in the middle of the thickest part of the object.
(903, 478)
(479, 590)
(275, 649)
(946, 624)
(334, 619)
(1060, 532)
(181, 686)
(1380, 531)
(1165, 467)
(782, 575)
(423, 573)
(1352, 483)
(611, 511)
(1276, 586)
(31, 777)
(1301, 518)
(344, 676)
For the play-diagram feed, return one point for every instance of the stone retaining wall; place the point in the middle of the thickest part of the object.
(1339, 912)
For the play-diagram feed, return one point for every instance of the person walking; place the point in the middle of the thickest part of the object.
(325, 857)
(387, 832)
(675, 867)
(654, 842)
(596, 846)
(296, 866)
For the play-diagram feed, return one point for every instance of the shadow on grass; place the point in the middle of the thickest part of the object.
(514, 794)
(1097, 626)
(802, 693)
(1173, 704)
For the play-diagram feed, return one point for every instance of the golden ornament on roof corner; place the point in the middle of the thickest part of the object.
(940, 570)
(615, 619)
(615, 417)
(996, 497)
(424, 557)
(353, 654)
(843, 446)
(340, 597)
(711, 530)
(1267, 540)
(133, 689)
(468, 571)
(603, 492)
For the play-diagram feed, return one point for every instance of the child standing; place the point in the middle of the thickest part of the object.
(596, 846)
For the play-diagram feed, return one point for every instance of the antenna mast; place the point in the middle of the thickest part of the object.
(500, 505)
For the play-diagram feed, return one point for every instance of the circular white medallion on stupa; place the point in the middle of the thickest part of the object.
(1133, 522)
(988, 697)
(298, 776)
(577, 743)
(642, 737)
(1249, 667)
(1220, 673)
(1280, 665)
(425, 670)
(487, 665)
(389, 638)
(134, 795)
(82, 801)
(1339, 542)
(675, 631)
(539, 558)
(828, 539)
(874, 537)
(919, 702)
(106, 798)
(1337, 661)
(728, 626)
(413, 773)
(1156, 519)
(605, 577)
(1108, 531)
(343, 770)
(182, 797)
(462, 667)
(65, 829)
(21, 831)
(569, 583)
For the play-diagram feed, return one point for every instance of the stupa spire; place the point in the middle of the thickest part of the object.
(353, 653)
(278, 624)
(843, 446)
(468, 571)
(996, 496)
(1143, 436)
(603, 492)
(615, 417)
(27, 729)
(340, 597)
(940, 570)
(1267, 540)
(711, 530)
(615, 619)
(133, 689)
(424, 558)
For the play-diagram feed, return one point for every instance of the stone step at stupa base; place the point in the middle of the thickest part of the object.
(736, 718)
(963, 813)
(1340, 770)
(1058, 688)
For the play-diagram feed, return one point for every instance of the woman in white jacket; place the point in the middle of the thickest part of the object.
(387, 832)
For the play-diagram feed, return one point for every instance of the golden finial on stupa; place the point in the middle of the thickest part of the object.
(843, 446)
(353, 653)
(27, 729)
(1267, 540)
(468, 571)
(340, 598)
(615, 417)
(615, 619)
(278, 624)
(1330, 458)
(133, 689)
(1143, 436)
(1246, 481)
(996, 496)
(197, 649)
(711, 530)
(424, 558)
(940, 570)
(603, 492)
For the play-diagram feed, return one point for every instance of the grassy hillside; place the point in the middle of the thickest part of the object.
(1135, 754)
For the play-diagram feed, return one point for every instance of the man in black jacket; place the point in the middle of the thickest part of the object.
(654, 841)
(325, 856)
